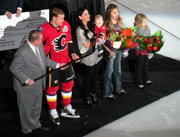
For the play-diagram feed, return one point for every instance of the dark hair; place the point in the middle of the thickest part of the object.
(55, 12)
(79, 23)
(34, 35)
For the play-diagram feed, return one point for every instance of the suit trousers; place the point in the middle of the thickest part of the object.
(29, 111)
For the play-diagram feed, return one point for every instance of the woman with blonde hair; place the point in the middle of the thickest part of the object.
(142, 56)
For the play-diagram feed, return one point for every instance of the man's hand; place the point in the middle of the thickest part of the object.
(30, 82)
(62, 64)
(74, 57)
(18, 12)
(8, 14)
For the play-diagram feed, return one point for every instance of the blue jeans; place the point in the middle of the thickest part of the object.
(113, 70)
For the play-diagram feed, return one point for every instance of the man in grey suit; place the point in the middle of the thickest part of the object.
(26, 67)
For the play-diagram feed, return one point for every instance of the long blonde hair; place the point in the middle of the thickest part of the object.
(138, 20)
(108, 21)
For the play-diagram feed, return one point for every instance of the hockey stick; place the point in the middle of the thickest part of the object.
(69, 63)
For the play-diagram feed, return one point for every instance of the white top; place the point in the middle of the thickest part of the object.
(81, 40)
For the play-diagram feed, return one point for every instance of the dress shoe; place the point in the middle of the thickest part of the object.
(95, 100)
(42, 128)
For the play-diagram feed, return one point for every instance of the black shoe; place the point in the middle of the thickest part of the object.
(149, 82)
(2, 67)
(123, 92)
(42, 128)
(30, 134)
(141, 87)
(111, 98)
(95, 100)
(89, 102)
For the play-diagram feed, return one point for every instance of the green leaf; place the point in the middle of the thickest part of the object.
(158, 33)
(128, 37)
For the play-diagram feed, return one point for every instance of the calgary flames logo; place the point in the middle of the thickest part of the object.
(60, 43)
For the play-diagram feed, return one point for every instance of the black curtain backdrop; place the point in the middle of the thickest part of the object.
(70, 7)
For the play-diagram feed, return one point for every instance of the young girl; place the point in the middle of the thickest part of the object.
(113, 65)
(85, 32)
(142, 56)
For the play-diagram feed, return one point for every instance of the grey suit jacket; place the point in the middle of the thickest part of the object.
(26, 65)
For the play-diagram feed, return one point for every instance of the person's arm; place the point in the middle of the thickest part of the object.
(71, 47)
(20, 4)
(19, 8)
(8, 14)
(83, 43)
(111, 53)
(18, 12)
(17, 65)
(102, 30)
(4, 4)
(45, 39)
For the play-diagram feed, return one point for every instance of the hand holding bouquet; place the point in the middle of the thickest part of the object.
(120, 40)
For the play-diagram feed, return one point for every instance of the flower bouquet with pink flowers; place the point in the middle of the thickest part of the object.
(150, 44)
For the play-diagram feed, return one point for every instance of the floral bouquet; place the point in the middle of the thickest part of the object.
(120, 40)
(135, 35)
(151, 44)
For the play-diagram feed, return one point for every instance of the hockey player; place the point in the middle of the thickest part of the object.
(58, 46)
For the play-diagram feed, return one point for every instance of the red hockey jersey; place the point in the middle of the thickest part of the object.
(56, 41)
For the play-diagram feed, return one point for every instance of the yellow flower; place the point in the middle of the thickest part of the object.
(149, 45)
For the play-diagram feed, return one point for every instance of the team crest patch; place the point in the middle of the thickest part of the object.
(65, 28)
(40, 29)
(60, 42)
